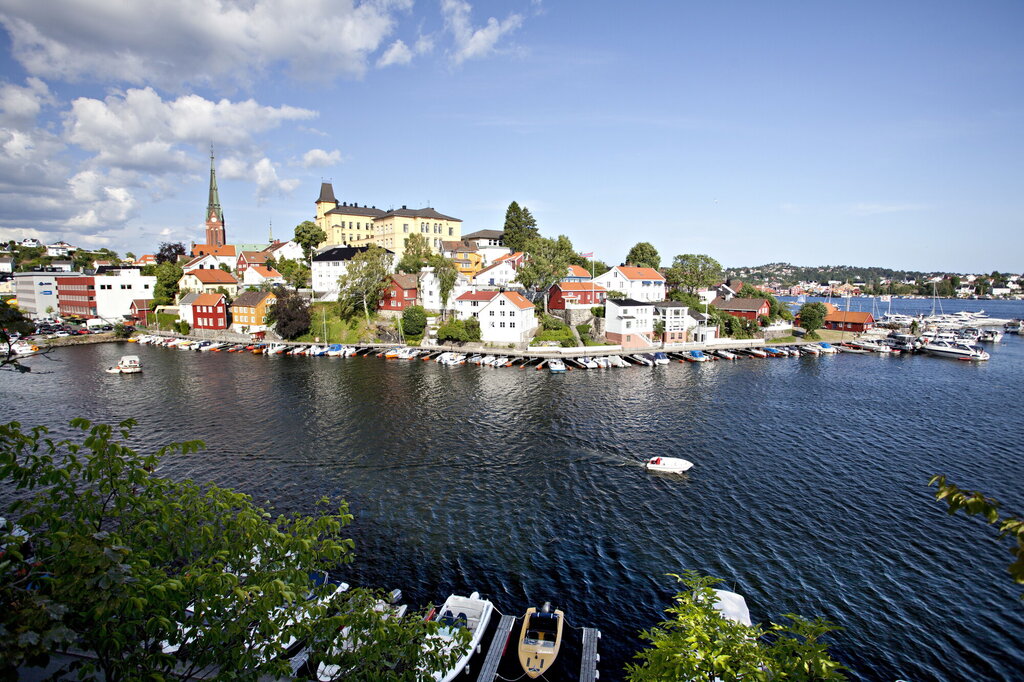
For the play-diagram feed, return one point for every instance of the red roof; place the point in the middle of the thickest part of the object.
(212, 250)
(216, 276)
(266, 272)
(632, 272)
(579, 286)
(578, 271)
(850, 316)
(518, 299)
(208, 299)
(477, 296)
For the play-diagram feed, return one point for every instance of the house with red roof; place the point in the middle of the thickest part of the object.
(247, 258)
(208, 282)
(500, 274)
(256, 275)
(849, 321)
(140, 310)
(505, 316)
(400, 293)
(747, 308)
(577, 273)
(639, 284)
(225, 254)
(575, 295)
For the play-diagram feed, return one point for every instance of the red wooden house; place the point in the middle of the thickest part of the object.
(210, 311)
(575, 295)
(747, 308)
(141, 309)
(400, 293)
(849, 321)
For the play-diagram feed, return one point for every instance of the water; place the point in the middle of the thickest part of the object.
(808, 495)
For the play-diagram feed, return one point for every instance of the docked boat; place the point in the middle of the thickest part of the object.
(811, 349)
(617, 361)
(757, 352)
(827, 348)
(871, 346)
(470, 613)
(643, 360)
(698, 356)
(128, 364)
(953, 349)
(23, 348)
(991, 335)
(661, 358)
(724, 354)
(500, 362)
(847, 348)
(556, 366)
(668, 465)
(540, 639)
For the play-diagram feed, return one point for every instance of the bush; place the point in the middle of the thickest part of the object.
(568, 343)
(549, 322)
(583, 330)
(182, 327)
(122, 331)
(414, 320)
(473, 329)
(598, 311)
(453, 331)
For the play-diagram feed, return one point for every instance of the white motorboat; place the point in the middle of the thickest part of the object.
(617, 361)
(349, 641)
(275, 349)
(556, 366)
(811, 349)
(643, 360)
(470, 613)
(953, 349)
(991, 335)
(668, 465)
(828, 348)
(725, 355)
(661, 358)
(500, 362)
(128, 364)
(756, 352)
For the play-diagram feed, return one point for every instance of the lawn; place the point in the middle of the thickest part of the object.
(326, 327)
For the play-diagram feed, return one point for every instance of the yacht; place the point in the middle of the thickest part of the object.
(955, 349)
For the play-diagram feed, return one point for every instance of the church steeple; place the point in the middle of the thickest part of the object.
(215, 234)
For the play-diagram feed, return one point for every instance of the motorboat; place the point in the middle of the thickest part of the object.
(812, 349)
(643, 360)
(661, 358)
(757, 352)
(128, 364)
(617, 361)
(540, 639)
(500, 362)
(602, 362)
(668, 465)
(991, 335)
(827, 348)
(724, 354)
(871, 346)
(469, 613)
(953, 349)
(732, 606)
(698, 356)
(350, 641)
(23, 348)
(275, 349)
(556, 366)
(335, 350)
(588, 362)
(847, 348)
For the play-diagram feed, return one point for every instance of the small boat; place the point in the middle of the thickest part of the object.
(724, 354)
(643, 360)
(617, 361)
(335, 350)
(991, 335)
(23, 348)
(556, 366)
(847, 348)
(470, 613)
(500, 362)
(661, 358)
(812, 349)
(128, 364)
(668, 465)
(827, 348)
(540, 639)
(698, 356)
(757, 352)
(773, 352)
(589, 363)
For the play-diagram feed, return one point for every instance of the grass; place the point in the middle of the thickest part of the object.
(338, 330)
(783, 339)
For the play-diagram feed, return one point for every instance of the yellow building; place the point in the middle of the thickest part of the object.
(466, 257)
(353, 225)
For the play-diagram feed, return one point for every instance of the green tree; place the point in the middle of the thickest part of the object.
(13, 323)
(693, 271)
(812, 317)
(414, 320)
(169, 252)
(225, 267)
(447, 274)
(696, 642)
(453, 330)
(417, 254)
(296, 274)
(309, 236)
(643, 255)
(290, 313)
(129, 255)
(364, 281)
(168, 274)
(659, 331)
(121, 562)
(520, 227)
(975, 503)
(122, 331)
(547, 263)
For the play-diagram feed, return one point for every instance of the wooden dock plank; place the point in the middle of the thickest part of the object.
(589, 656)
(489, 670)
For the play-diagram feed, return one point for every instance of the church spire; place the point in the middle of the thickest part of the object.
(215, 234)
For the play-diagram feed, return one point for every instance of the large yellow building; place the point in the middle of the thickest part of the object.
(353, 225)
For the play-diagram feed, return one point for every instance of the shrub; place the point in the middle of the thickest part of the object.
(453, 330)
(568, 343)
(122, 331)
(414, 320)
(597, 311)
(473, 329)
(583, 330)
(182, 327)
(549, 322)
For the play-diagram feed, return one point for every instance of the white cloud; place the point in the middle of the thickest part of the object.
(108, 203)
(263, 173)
(424, 44)
(318, 158)
(397, 53)
(20, 105)
(470, 42)
(172, 43)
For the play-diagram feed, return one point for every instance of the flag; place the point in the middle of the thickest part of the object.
(587, 255)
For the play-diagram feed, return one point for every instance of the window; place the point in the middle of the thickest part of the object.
(451, 231)
(502, 325)
(405, 227)
(492, 313)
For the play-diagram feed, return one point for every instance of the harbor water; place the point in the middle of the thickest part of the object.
(808, 495)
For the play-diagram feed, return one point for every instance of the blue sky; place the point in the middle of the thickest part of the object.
(809, 132)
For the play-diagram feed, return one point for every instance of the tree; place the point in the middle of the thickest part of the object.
(296, 274)
(972, 503)
(225, 267)
(447, 274)
(696, 642)
(643, 255)
(289, 314)
(659, 331)
(364, 281)
(129, 255)
(547, 263)
(693, 271)
(168, 274)
(414, 320)
(454, 330)
(113, 559)
(169, 252)
(12, 322)
(812, 317)
(520, 227)
(417, 254)
(309, 236)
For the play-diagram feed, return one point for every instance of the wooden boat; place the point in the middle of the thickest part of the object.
(540, 639)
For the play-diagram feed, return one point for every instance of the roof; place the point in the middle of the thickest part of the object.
(850, 316)
(406, 281)
(189, 265)
(579, 286)
(214, 250)
(339, 253)
(491, 267)
(266, 272)
(628, 302)
(457, 246)
(700, 317)
(578, 271)
(671, 304)
(275, 246)
(517, 299)
(741, 304)
(142, 303)
(255, 256)
(208, 299)
(188, 299)
(633, 272)
(417, 213)
(327, 193)
(217, 276)
(251, 299)
(485, 234)
(356, 209)
(477, 296)
(509, 256)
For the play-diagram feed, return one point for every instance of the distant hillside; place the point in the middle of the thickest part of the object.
(787, 274)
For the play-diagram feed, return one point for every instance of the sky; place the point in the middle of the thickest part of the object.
(868, 133)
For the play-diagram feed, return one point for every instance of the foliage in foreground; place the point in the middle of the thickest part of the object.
(111, 558)
(697, 643)
(290, 314)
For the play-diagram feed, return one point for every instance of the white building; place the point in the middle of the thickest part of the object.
(257, 275)
(504, 316)
(6, 265)
(629, 323)
(501, 274)
(639, 284)
(289, 250)
(328, 266)
(37, 292)
(59, 249)
(682, 324)
(106, 296)
(430, 290)
(489, 244)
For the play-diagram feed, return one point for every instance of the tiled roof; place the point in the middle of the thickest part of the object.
(850, 316)
(211, 250)
(477, 296)
(142, 303)
(208, 299)
(457, 246)
(579, 286)
(251, 299)
(509, 256)
(491, 267)
(578, 271)
(740, 304)
(253, 257)
(406, 280)
(635, 273)
(485, 234)
(416, 213)
(265, 272)
(217, 276)
(517, 299)
(189, 265)
(353, 209)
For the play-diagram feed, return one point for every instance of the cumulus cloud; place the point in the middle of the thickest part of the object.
(262, 172)
(397, 53)
(20, 105)
(173, 43)
(471, 42)
(318, 158)
(106, 200)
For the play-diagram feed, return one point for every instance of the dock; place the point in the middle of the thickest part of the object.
(497, 649)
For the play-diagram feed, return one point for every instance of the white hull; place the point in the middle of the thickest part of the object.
(668, 465)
